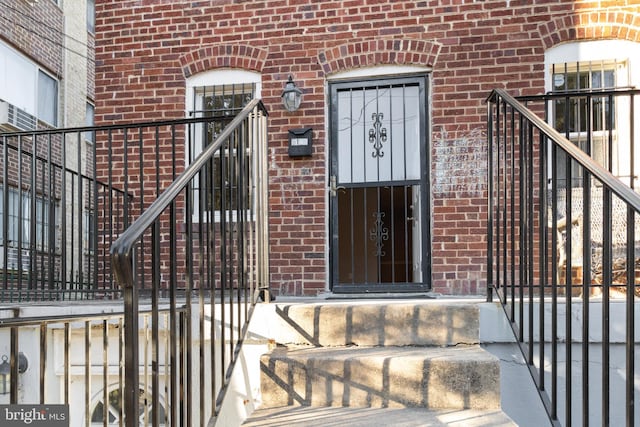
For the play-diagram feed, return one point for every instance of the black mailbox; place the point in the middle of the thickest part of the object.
(300, 141)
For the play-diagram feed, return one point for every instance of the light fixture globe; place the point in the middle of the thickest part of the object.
(5, 371)
(5, 375)
(291, 96)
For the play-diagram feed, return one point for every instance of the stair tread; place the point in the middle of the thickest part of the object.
(376, 324)
(452, 353)
(426, 377)
(299, 416)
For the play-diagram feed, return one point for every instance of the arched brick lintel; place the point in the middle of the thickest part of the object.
(223, 56)
(369, 53)
(613, 24)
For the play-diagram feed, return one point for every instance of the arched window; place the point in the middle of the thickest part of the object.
(222, 94)
(115, 410)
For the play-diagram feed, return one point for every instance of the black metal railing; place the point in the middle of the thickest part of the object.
(74, 359)
(563, 248)
(57, 217)
(201, 247)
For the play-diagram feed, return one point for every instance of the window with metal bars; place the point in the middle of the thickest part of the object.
(584, 115)
(221, 103)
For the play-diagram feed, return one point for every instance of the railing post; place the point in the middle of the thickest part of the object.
(131, 392)
(263, 210)
(490, 201)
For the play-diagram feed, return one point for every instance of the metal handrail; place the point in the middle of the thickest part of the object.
(525, 267)
(121, 248)
(607, 178)
(123, 264)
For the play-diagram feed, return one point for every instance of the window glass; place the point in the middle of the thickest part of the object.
(18, 84)
(598, 123)
(91, 16)
(114, 409)
(219, 94)
(89, 232)
(89, 121)
(19, 222)
(28, 88)
(222, 103)
(47, 99)
(571, 114)
(584, 116)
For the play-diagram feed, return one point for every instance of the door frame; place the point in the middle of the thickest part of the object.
(422, 79)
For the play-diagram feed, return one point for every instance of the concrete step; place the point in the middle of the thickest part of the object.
(376, 417)
(459, 377)
(386, 323)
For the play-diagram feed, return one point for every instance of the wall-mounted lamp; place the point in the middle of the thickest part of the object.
(291, 96)
(5, 371)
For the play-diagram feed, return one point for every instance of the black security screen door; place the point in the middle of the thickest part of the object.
(379, 186)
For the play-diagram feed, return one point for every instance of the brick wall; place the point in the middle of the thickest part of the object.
(145, 49)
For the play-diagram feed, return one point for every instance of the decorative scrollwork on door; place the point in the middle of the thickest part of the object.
(379, 233)
(377, 135)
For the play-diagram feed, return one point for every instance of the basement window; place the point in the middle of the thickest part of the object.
(109, 413)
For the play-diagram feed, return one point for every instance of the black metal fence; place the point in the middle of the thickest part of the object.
(58, 217)
(75, 359)
(563, 242)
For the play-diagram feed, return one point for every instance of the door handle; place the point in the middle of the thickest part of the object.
(410, 217)
(333, 187)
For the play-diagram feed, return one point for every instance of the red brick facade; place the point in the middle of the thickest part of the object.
(146, 49)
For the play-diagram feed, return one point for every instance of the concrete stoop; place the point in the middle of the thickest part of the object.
(419, 359)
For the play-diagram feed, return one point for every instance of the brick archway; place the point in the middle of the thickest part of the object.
(223, 56)
(612, 24)
(378, 52)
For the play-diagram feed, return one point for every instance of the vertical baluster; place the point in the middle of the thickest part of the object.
(631, 279)
(543, 254)
(607, 279)
(568, 288)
